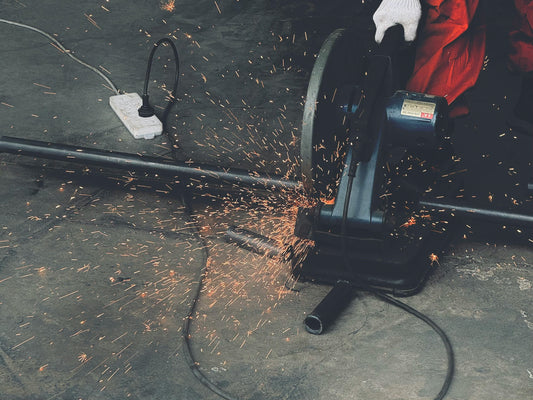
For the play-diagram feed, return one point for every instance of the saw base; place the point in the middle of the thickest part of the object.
(375, 264)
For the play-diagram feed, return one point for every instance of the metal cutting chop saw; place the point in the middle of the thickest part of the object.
(369, 153)
(379, 163)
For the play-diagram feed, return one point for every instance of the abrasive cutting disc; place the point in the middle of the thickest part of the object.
(324, 128)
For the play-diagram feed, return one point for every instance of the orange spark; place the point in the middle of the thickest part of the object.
(168, 5)
(411, 221)
(328, 201)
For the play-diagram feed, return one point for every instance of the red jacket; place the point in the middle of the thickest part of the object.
(451, 48)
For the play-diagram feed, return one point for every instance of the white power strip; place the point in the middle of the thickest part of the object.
(126, 106)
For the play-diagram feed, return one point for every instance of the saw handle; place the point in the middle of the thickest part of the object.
(393, 41)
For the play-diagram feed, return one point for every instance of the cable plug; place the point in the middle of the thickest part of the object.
(140, 125)
(146, 110)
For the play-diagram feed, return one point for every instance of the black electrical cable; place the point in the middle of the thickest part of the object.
(436, 328)
(403, 306)
(191, 362)
(352, 168)
(345, 220)
(427, 320)
(356, 154)
(146, 110)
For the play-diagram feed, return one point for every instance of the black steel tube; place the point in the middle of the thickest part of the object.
(140, 163)
(253, 241)
(498, 216)
(329, 308)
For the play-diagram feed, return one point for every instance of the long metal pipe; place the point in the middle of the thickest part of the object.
(498, 216)
(141, 163)
(210, 174)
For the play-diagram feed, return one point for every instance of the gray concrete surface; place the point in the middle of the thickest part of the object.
(97, 272)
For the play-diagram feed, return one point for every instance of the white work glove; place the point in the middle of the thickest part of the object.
(393, 12)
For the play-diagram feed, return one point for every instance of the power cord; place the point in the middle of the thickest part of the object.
(146, 110)
(436, 328)
(356, 155)
(64, 50)
(410, 310)
(191, 362)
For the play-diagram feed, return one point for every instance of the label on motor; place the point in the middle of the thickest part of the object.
(419, 109)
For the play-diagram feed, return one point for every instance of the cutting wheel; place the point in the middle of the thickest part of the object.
(324, 130)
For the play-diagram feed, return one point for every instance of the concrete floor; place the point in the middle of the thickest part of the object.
(98, 271)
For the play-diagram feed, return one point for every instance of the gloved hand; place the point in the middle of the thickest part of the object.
(403, 12)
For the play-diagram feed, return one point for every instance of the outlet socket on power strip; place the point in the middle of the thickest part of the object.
(126, 107)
